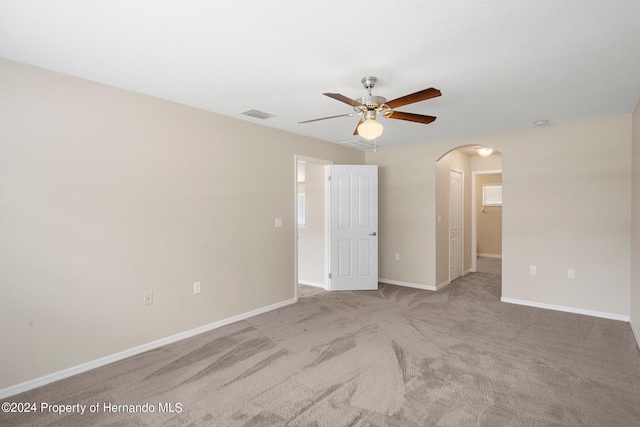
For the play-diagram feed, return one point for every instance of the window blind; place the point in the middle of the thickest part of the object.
(492, 195)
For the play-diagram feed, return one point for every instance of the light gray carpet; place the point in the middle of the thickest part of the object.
(489, 265)
(392, 357)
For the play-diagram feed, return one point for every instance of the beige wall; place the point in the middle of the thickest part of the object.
(406, 214)
(311, 240)
(491, 163)
(488, 220)
(635, 227)
(567, 205)
(106, 194)
(551, 217)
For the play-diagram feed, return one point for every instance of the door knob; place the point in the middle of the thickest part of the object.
(372, 234)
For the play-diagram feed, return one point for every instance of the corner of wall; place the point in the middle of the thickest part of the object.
(634, 297)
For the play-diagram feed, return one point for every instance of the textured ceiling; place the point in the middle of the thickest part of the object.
(500, 65)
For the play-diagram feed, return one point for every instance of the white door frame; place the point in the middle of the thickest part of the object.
(327, 193)
(474, 216)
(461, 172)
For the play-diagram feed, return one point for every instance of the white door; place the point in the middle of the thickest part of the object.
(354, 227)
(455, 224)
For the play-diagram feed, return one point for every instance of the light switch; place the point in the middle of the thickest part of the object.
(278, 222)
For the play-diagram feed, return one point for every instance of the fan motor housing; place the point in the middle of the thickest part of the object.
(372, 102)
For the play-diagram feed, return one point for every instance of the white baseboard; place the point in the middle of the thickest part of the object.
(636, 333)
(75, 370)
(310, 283)
(490, 255)
(415, 285)
(443, 284)
(593, 313)
(409, 285)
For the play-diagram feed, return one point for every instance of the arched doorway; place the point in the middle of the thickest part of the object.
(457, 210)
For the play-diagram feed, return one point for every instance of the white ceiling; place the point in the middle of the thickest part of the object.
(500, 65)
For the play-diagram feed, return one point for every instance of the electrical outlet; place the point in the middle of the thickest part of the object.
(533, 270)
(148, 298)
(278, 222)
(196, 287)
(397, 256)
(571, 273)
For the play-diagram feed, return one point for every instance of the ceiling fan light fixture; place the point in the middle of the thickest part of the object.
(484, 151)
(371, 105)
(370, 129)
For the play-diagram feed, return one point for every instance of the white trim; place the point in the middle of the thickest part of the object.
(490, 255)
(409, 285)
(592, 313)
(327, 225)
(299, 158)
(443, 284)
(84, 367)
(461, 172)
(415, 285)
(636, 333)
(310, 283)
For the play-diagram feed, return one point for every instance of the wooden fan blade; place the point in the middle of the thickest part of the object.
(330, 117)
(411, 117)
(344, 99)
(414, 97)
(355, 132)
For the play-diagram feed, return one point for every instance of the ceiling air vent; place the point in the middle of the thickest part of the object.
(358, 144)
(258, 114)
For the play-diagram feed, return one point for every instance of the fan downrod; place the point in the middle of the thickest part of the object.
(369, 82)
(370, 102)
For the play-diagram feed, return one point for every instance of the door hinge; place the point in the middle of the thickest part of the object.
(330, 276)
(329, 178)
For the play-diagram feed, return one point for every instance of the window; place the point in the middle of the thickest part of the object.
(492, 195)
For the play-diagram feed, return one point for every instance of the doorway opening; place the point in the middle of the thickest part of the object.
(336, 227)
(466, 226)
(312, 225)
(486, 221)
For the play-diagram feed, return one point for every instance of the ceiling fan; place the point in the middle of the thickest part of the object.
(370, 106)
